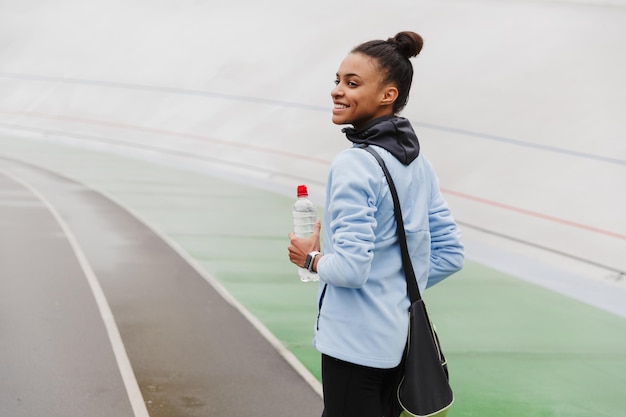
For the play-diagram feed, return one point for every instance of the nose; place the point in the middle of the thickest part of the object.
(336, 92)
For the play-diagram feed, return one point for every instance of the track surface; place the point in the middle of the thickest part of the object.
(499, 332)
(194, 354)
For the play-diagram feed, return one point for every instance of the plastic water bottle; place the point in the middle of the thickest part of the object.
(304, 219)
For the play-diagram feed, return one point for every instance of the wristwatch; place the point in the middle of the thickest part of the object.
(308, 262)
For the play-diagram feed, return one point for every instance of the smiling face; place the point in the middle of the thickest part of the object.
(360, 95)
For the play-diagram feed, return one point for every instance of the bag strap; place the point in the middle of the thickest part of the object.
(407, 265)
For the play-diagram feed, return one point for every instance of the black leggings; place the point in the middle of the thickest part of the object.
(357, 391)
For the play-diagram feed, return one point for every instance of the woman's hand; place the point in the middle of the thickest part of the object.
(299, 247)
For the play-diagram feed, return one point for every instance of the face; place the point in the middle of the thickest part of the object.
(360, 95)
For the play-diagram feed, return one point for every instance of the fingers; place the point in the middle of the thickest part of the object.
(298, 247)
(296, 254)
(292, 254)
(317, 227)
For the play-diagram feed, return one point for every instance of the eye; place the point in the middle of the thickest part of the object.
(337, 82)
(352, 84)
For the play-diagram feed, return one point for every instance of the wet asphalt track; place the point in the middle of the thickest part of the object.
(54, 354)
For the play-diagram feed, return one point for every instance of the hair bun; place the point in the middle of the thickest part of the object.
(408, 43)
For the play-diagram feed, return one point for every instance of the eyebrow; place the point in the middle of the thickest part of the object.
(349, 75)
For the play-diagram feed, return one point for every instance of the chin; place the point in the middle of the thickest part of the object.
(339, 121)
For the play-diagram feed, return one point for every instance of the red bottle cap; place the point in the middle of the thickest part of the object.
(302, 191)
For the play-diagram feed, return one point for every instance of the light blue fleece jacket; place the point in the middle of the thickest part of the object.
(363, 314)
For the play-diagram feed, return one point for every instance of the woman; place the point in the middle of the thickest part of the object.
(362, 325)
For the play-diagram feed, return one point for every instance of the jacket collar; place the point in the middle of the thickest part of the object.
(392, 133)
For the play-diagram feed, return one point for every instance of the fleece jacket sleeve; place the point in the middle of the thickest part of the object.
(447, 251)
(352, 204)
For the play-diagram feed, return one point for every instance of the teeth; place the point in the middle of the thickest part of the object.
(340, 106)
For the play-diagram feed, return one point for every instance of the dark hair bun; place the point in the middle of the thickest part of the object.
(408, 43)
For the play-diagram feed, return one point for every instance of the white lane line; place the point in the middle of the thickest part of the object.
(126, 370)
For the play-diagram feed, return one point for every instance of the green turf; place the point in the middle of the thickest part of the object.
(514, 349)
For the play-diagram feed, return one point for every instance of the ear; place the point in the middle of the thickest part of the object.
(390, 94)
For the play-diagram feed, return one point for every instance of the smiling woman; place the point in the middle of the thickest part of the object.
(363, 303)
(374, 80)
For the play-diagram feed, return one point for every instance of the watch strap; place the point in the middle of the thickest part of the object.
(309, 261)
